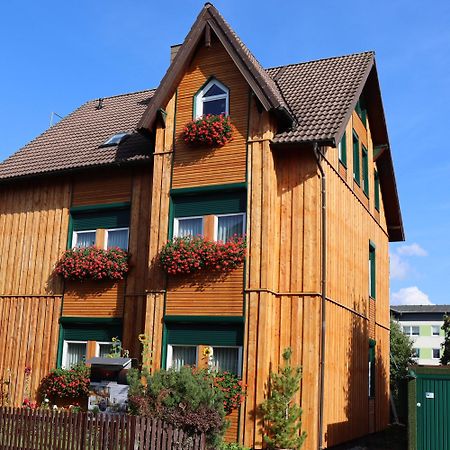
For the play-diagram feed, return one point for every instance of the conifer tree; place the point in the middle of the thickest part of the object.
(281, 415)
(445, 358)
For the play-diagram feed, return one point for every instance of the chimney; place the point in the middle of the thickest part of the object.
(173, 51)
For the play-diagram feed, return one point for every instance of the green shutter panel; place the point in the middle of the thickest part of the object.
(343, 155)
(373, 281)
(92, 331)
(93, 220)
(356, 161)
(205, 333)
(377, 190)
(365, 164)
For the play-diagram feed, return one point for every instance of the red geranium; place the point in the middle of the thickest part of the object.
(93, 263)
(209, 130)
(193, 254)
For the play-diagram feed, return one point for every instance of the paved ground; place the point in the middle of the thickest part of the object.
(394, 438)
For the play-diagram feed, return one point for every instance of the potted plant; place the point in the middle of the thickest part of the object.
(281, 416)
(66, 387)
(92, 263)
(208, 131)
(186, 255)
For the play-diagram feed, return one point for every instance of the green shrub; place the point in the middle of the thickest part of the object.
(187, 399)
(66, 383)
(232, 446)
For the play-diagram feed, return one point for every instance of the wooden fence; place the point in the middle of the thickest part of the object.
(24, 429)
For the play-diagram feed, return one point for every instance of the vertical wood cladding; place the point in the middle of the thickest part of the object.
(34, 221)
(203, 166)
(28, 338)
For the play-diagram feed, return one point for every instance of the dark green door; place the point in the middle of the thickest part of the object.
(433, 413)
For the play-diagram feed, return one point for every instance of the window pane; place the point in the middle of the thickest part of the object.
(104, 350)
(228, 226)
(214, 90)
(183, 356)
(76, 353)
(226, 359)
(415, 352)
(435, 330)
(118, 238)
(436, 353)
(415, 331)
(190, 227)
(84, 239)
(215, 107)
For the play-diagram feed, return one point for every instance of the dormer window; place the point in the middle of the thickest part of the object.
(212, 99)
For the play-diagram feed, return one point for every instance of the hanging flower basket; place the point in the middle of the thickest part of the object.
(190, 255)
(208, 131)
(92, 263)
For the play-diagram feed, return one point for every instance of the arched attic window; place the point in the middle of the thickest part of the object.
(213, 98)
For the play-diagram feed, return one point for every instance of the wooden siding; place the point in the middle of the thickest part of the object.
(203, 295)
(33, 234)
(203, 166)
(93, 299)
(28, 338)
(105, 186)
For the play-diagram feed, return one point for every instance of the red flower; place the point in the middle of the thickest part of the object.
(209, 130)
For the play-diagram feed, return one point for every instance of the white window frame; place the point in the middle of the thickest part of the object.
(97, 346)
(107, 230)
(169, 359)
(176, 224)
(410, 332)
(199, 99)
(75, 236)
(216, 222)
(438, 330)
(65, 348)
(239, 374)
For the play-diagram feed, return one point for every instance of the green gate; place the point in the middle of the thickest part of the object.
(429, 408)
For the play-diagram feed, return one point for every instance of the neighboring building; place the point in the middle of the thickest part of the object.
(423, 324)
(310, 149)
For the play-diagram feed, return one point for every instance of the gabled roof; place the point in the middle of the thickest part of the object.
(259, 80)
(76, 140)
(418, 309)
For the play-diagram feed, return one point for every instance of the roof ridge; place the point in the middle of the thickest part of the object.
(368, 52)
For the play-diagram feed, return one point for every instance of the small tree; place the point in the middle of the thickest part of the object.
(445, 358)
(281, 416)
(401, 358)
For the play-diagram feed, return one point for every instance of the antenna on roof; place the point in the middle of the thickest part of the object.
(52, 116)
(100, 103)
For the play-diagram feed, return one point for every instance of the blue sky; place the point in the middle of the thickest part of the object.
(57, 55)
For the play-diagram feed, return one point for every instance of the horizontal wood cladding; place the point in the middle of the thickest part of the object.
(231, 435)
(93, 299)
(346, 376)
(33, 233)
(203, 166)
(28, 338)
(206, 295)
(105, 186)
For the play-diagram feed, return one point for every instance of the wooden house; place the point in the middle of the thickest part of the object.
(308, 177)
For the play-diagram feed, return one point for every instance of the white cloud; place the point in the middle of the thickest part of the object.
(410, 296)
(412, 250)
(399, 268)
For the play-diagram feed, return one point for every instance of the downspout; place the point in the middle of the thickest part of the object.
(319, 156)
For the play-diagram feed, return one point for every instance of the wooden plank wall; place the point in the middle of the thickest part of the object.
(33, 233)
(202, 166)
(28, 338)
(204, 295)
(283, 274)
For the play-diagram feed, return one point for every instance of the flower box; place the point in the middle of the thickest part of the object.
(92, 263)
(188, 255)
(208, 131)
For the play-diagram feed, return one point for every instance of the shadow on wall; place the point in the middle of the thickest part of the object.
(360, 418)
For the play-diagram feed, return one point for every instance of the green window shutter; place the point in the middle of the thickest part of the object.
(209, 203)
(372, 367)
(356, 161)
(372, 271)
(376, 186)
(90, 329)
(343, 149)
(205, 333)
(92, 220)
(365, 164)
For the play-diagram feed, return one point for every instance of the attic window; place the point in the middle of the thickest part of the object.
(116, 139)
(212, 98)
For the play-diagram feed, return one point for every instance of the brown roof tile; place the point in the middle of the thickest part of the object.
(74, 141)
(320, 94)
